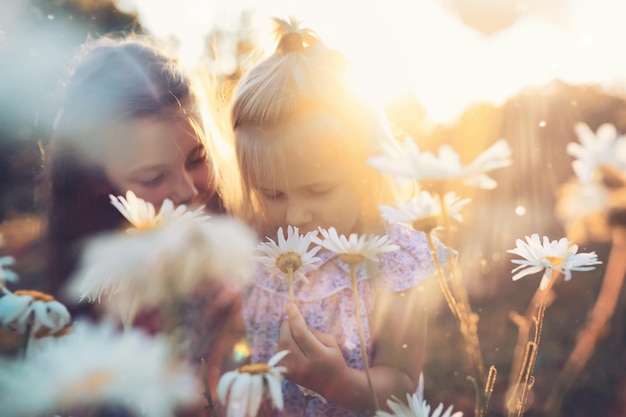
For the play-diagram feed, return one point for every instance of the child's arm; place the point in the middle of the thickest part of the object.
(316, 362)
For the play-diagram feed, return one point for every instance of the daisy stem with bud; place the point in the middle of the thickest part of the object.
(526, 378)
(467, 324)
(353, 260)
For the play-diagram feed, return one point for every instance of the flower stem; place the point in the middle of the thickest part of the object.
(207, 391)
(305, 405)
(596, 326)
(28, 334)
(526, 378)
(292, 297)
(357, 308)
(517, 393)
(467, 325)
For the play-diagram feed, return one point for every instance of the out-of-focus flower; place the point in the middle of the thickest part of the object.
(355, 248)
(243, 389)
(583, 209)
(24, 308)
(291, 253)
(142, 214)
(548, 256)
(5, 273)
(143, 269)
(408, 162)
(604, 147)
(416, 407)
(95, 366)
(424, 211)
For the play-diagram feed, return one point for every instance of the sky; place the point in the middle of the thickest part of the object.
(445, 52)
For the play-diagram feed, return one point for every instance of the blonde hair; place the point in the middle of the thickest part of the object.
(303, 75)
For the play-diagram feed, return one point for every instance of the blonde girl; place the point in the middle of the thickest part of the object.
(302, 138)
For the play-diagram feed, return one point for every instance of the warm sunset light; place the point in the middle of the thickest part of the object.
(428, 48)
(205, 210)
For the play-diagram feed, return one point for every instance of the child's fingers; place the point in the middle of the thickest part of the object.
(300, 332)
(287, 342)
(326, 339)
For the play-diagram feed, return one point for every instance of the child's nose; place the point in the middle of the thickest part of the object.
(186, 190)
(298, 215)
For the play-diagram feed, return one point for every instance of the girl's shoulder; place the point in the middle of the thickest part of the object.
(412, 262)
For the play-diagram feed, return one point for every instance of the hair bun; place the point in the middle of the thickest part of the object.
(291, 42)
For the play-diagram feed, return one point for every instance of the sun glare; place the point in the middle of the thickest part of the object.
(424, 48)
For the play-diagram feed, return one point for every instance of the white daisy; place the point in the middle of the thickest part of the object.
(95, 366)
(243, 389)
(423, 211)
(548, 256)
(355, 248)
(142, 214)
(24, 308)
(604, 147)
(409, 162)
(5, 273)
(289, 254)
(416, 407)
(169, 261)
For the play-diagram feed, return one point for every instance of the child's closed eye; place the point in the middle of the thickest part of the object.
(152, 182)
(320, 191)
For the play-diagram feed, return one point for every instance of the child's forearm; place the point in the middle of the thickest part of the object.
(351, 389)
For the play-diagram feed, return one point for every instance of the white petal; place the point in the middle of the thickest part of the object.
(238, 399)
(12, 306)
(276, 393)
(528, 271)
(60, 314)
(277, 357)
(42, 318)
(255, 395)
(224, 384)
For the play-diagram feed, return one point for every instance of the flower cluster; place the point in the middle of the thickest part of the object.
(97, 365)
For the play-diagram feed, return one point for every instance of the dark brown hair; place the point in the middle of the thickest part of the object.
(111, 80)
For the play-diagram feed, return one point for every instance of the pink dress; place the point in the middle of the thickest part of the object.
(326, 303)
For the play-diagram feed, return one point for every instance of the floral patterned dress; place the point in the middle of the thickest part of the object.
(326, 303)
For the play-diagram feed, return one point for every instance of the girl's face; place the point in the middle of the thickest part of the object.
(158, 159)
(307, 182)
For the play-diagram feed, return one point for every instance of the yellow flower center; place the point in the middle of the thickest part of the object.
(288, 261)
(36, 295)
(426, 224)
(351, 258)
(145, 225)
(554, 260)
(255, 369)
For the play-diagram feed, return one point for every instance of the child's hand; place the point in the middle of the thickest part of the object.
(315, 360)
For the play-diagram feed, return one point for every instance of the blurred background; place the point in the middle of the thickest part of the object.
(462, 72)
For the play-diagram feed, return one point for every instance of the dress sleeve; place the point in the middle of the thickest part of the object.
(412, 263)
